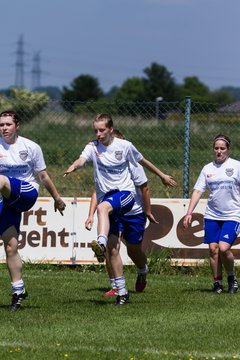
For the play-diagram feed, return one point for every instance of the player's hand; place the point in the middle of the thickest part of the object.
(69, 170)
(89, 224)
(168, 180)
(151, 218)
(59, 205)
(187, 221)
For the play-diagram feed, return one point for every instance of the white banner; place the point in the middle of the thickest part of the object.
(46, 236)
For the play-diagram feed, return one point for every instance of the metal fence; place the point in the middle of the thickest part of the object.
(177, 137)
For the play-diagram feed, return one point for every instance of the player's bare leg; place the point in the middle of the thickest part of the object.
(14, 264)
(99, 246)
(216, 267)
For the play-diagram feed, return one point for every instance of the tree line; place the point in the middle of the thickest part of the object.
(157, 82)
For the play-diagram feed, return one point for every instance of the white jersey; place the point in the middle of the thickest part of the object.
(21, 159)
(139, 178)
(111, 165)
(223, 183)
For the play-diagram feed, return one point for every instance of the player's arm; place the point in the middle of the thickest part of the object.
(166, 179)
(51, 188)
(147, 203)
(79, 163)
(196, 195)
(92, 209)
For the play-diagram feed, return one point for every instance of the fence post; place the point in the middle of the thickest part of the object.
(158, 112)
(186, 150)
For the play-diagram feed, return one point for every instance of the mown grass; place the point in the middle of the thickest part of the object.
(66, 316)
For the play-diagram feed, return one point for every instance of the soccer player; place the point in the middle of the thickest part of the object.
(130, 228)
(114, 187)
(222, 216)
(20, 158)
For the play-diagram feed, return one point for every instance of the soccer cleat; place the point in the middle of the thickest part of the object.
(217, 288)
(122, 299)
(17, 300)
(232, 284)
(99, 251)
(141, 282)
(111, 292)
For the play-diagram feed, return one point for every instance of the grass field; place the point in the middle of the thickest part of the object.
(67, 317)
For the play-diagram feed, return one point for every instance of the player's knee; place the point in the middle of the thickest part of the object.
(104, 208)
(4, 182)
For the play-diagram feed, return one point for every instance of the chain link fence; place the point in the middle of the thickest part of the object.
(177, 137)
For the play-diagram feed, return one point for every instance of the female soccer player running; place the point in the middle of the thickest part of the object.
(20, 158)
(115, 189)
(130, 228)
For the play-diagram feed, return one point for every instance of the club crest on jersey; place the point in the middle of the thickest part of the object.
(118, 155)
(229, 172)
(23, 155)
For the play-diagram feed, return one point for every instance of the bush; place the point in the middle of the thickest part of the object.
(25, 103)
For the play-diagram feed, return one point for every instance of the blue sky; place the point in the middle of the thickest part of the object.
(116, 39)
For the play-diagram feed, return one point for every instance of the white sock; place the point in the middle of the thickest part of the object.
(121, 285)
(102, 240)
(17, 286)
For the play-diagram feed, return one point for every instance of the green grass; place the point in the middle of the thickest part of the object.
(66, 316)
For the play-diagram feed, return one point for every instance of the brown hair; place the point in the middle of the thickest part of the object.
(118, 134)
(104, 117)
(11, 113)
(223, 138)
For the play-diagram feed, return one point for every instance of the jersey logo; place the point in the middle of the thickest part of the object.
(23, 155)
(118, 155)
(229, 172)
(210, 175)
(226, 236)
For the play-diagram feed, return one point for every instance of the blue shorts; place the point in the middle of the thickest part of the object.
(132, 227)
(121, 201)
(218, 230)
(23, 196)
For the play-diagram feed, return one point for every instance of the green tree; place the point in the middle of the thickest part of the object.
(133, 89)
(112, 92)
(221, 97)
(83, 88)
(193, 87)
(159, 82)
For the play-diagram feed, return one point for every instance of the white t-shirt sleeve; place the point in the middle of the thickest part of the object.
(38, 159)
(87, 152)
(201, 183)
(133, 155)
(138, 175)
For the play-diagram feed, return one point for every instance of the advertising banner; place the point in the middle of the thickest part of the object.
(46, 236)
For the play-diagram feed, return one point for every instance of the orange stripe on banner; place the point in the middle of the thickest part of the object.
(79, 200)
(55, 261)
